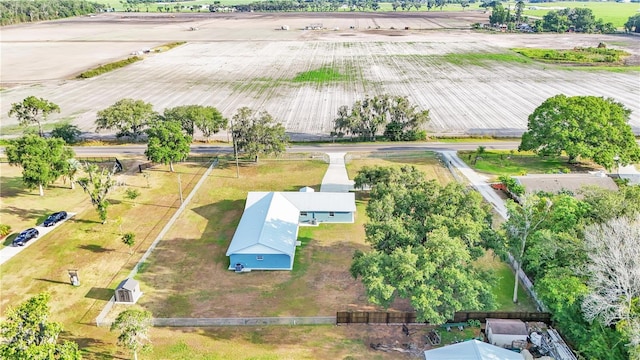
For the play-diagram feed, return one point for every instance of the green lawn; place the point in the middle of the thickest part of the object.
(504, 288)
(609, 11)
(505, 162)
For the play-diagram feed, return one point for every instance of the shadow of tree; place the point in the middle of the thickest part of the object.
(94, 248)
(26, 214)
(9, 239)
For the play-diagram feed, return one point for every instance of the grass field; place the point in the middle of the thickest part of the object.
(503, 162)
(609, 11)
(426, 162)
(84, 243)
(504, 288)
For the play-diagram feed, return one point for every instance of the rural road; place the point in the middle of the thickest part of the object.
(320, 147)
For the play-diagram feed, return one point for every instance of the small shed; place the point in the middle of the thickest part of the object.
(128, 291)
(504, 332)
(306, 189)
(471, 350)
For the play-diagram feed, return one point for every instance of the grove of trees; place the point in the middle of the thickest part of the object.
(582, 126)
(424, 238)
(15, 12)
(257, 133)
(578, 253)
(575, 19)
(366, 118)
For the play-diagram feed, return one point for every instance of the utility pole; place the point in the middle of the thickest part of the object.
(180, 188)
(235, 151)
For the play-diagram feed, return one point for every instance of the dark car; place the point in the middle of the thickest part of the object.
(25, 236)
(55, 218)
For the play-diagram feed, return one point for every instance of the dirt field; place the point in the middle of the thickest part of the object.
(236, 60)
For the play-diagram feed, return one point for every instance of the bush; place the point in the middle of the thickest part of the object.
(108, 67)
(512, 185)
(4, 230)
(131, 194)
(67, 132)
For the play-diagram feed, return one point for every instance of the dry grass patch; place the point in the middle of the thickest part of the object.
(23, 208)
(425, 161)
(95, 249)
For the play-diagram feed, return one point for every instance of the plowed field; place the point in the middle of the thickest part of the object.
(236, 60)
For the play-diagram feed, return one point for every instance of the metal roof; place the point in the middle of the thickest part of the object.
(314, 201)
(128, 284)
(507, 326)
(471, 350)
(269, 225)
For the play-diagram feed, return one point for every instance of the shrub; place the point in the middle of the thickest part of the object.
(131, 194)
(512, 185)
(67, 132)
(108, 67)
(4, 230)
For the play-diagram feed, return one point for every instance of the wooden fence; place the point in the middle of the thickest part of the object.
(386, 317)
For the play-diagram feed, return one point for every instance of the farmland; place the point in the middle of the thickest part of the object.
(472, 82)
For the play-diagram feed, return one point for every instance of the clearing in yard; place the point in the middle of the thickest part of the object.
(505, 162)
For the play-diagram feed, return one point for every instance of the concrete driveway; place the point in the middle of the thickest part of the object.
(10, 251)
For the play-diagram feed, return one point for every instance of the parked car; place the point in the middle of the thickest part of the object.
(25, 236)
(55, 218)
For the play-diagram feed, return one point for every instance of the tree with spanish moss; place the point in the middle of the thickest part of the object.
(97, 183)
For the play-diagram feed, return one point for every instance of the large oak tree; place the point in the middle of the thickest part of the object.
(424, 238)
(582, 126)
(207, 119)
(128, 116)
(257, 133)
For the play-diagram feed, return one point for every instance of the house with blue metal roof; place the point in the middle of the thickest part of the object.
(266, 236)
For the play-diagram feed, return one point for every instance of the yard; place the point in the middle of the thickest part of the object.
(505, 162)
(187, 274)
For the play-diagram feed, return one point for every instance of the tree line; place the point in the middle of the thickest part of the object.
(15, 12)
(568, 19)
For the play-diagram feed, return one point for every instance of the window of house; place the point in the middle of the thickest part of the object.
(332, 214)
(259, 257)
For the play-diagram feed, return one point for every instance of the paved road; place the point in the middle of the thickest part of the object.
(320, 147)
